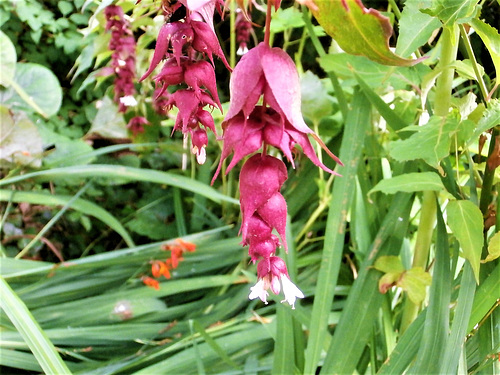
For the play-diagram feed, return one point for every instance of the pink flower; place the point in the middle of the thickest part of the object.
(269, 73)
(136, 124)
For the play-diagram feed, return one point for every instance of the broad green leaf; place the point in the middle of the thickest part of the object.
(466, 222)
(491, 39)
(8, 60)
(316, 103)
(108, 123)
(414, 282)
(493, 248)
(409, 182)
(485, 297)
(20, 142)
(415, 27)
(454, 11)
(359, 31)
(430, 142)
(33, 87)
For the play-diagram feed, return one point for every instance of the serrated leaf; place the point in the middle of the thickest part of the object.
(466, 222)
(414, 282)
(415, 27)
(452, 12)
(8, 60)
(491, 39)
(493, 248)
(409, 182)
(359, 31)
(431, 142)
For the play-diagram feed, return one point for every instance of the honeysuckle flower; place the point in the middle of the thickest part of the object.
(136, 124)
(273, 274)
(199, 141)
(122, 43)
(243, 28)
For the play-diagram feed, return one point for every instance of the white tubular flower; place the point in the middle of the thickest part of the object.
(259, 291)
(291, 291)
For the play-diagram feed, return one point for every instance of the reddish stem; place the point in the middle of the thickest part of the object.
(267, 33)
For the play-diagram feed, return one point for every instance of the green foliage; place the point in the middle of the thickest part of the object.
(398, 258)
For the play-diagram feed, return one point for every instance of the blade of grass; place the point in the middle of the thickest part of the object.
(79, 204)
(456, 340)
(485, 298)
(124, 173)
(40, 345)
(284, 359)
(342, 193)
(406, 349)
(433, 343)
(361, 310)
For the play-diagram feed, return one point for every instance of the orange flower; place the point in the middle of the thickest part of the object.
(159, 268)
(149, 281)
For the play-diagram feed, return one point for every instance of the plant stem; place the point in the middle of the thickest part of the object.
(421, 251)
(472, 57)
(449, 45)
(232, 34)
(267, 31)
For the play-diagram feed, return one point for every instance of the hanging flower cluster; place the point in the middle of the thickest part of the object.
(243, 29)
(162, 268)
(178, 44)
(267, 76)
(264, 112)
(122, 44)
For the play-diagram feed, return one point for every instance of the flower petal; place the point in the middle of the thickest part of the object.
(291, 291)
(259, 291)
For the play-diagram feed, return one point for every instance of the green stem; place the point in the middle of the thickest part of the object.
(267, 31)
(449, 46)
(475, 66)
(488, 178)
(339, 93)
(421, 253)
(232, 34)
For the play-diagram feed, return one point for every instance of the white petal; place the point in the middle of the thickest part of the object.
(259, 291)
(128, 101)
(291, 291)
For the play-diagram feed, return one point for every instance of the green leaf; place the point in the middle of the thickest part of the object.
(409, 182)
(466, 222)
(35, 337)
(33, 87)
(108, 122)
(359, 31)
(389, 263)
(414, 282)
(20, 141)
(415, 27)
(493, 248)
(491, 39)
(8, 60)
(452, 12)
(490, 118)
(431, 142)
(316, 103)
(343, 189)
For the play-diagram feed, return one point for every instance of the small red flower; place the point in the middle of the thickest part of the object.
(149, 281)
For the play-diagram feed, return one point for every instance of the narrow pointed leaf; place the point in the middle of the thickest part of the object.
(409, 182)
(491, 39)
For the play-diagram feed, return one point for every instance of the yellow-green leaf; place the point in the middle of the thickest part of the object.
(493, 248)
(414, 282)
(466, 222)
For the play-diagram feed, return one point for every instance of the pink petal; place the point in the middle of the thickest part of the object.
(273, 212)
(162, 43)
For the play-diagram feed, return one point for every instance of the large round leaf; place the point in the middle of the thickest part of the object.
(33, 87)
(7, 60)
